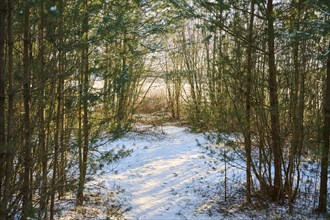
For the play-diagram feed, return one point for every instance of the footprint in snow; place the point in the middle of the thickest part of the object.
(173, 192)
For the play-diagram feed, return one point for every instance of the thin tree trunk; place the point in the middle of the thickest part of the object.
(323, 199)
(298, 113)
(122, 99)
(26, 190)
(191, 80)
(63, 149)
(300, 127)
(10, 135)
(85, 129)
(42, 132)
(247, 138)
(56, 149)
(177, 95)
(3, 9)
(274, 111)
(295, 137)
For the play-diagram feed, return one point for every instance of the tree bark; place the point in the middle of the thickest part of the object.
(323, 198)
(3, 9)
(41, 115)
(274, 111)
(63, 147)
(247, 137)
(10, 115)
(27, 160)
(85, 129)
(297, 109)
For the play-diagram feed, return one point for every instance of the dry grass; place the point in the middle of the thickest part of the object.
(153, 102)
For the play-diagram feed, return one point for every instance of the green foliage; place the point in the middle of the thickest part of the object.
(99, 159)
(199, 117)
(114, 155)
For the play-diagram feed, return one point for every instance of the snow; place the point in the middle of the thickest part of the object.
(160, 173)
(168, 176)
(53, 8)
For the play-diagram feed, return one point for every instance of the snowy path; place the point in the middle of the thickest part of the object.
(162, 174)
(167, 177)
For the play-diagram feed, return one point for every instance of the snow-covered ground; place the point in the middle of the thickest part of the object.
(167, 176)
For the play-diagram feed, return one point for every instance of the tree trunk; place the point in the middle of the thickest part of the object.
(191, 80)
(56, 147)
(274, 111)
(297, 113)
(85, 129)
(10, 134)
(27, 160)
(3, 9)
(61, 103)
(323, 199)
(41, 115)
(247, 137)
(122, 94)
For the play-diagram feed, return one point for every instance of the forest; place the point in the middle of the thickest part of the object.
(252, 77)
